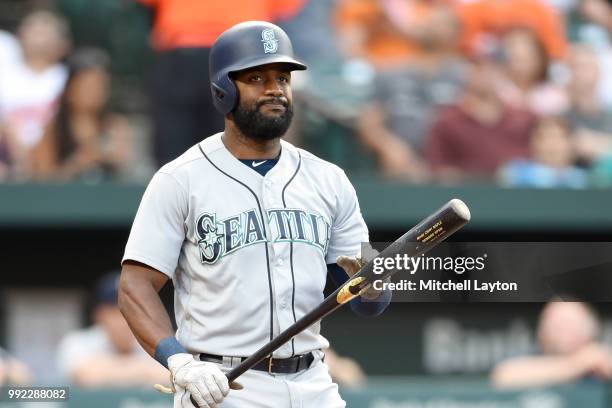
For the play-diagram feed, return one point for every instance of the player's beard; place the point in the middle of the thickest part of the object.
(254, 124)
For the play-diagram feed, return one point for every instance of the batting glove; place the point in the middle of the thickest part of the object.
(204, 381)
(352, 265)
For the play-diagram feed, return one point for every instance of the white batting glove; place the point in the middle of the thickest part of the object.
(352, 265)
(204, 381)
(181, 398)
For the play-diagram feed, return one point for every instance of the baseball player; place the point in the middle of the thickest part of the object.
(247, 226)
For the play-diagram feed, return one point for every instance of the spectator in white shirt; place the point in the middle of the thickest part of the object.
(107, 354)
(30, 85)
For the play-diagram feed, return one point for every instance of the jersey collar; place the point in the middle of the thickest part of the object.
(280, 174)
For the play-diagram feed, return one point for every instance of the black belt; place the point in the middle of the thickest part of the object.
(271, 365)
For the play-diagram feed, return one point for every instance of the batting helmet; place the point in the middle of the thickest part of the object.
(246, 45)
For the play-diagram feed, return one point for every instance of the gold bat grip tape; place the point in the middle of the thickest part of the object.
(345, 295)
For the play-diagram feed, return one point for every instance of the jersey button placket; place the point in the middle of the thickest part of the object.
(268, 201)
(268, 194)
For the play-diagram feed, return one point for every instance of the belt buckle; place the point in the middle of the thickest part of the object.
(270, 365)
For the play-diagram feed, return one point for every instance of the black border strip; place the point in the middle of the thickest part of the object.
(291, 250)
(264, 231)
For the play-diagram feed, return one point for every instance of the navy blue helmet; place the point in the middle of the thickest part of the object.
(246, 45)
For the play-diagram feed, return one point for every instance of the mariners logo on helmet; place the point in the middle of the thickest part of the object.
(268, 38)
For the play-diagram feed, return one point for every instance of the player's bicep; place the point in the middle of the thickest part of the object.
(349, 229)
(158, 230)
(133, 271)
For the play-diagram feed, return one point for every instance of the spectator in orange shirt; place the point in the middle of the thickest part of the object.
(183, 33)
(484, 21)
(387, 33)
(405, 101)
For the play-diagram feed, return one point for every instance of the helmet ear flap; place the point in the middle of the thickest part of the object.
(218, 92)
(225, 94)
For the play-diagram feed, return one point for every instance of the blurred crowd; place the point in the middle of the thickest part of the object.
(55, 123)
(510, 91)
(485, 90)
(106, 353)
(569, 349)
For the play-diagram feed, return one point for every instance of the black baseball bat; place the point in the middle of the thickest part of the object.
(424, 236)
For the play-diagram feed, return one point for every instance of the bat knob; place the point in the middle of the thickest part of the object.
(234, 385)
(460, 208)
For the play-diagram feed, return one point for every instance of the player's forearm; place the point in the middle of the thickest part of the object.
(144, 311)
(535, 372)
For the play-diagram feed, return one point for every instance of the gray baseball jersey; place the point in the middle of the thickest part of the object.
(247, 253)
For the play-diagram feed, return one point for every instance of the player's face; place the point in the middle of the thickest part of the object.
(264, 110)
